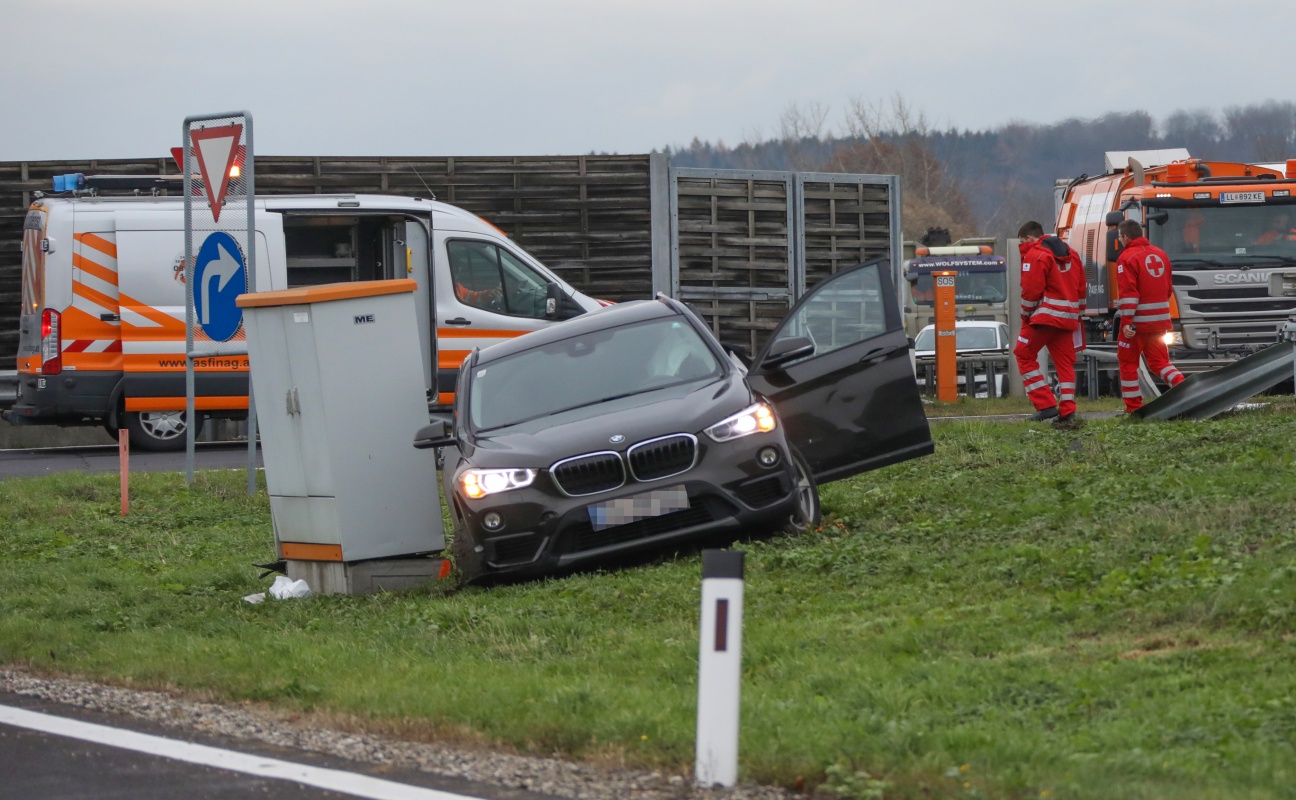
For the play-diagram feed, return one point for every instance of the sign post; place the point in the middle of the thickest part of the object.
(946, 338)
(220, 256)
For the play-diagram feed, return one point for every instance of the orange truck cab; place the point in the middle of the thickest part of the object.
(1225, 225)
(102, 327)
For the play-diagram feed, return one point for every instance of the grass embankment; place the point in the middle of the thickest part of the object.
(1106, 613)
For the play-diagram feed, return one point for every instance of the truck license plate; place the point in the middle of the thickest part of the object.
(1242, 197)
(636, 507)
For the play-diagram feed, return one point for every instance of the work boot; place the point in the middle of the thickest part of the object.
(1068, 421)
(1044, 414)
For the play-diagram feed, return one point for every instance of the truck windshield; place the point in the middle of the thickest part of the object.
(1210, 237)
(972, 287)
(33, 263)
(591, 368)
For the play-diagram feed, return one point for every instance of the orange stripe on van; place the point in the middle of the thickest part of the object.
(450, 359)
(96, 297)
(445, 398)
(107, 361)
(303, 551)
(178, 403)
(97, 242)
(98, 270)
(470, 333)
(78, 324)
(151, 314)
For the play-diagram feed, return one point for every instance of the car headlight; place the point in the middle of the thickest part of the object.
(481, 482)
(757, 419)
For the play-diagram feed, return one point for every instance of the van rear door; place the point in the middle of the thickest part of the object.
(33, 289)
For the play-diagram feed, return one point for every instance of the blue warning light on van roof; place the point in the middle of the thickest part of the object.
(69, 182)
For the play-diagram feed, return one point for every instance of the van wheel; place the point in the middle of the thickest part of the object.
(158, 431)
(807, 513)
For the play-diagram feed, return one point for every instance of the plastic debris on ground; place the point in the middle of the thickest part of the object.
(285, 588)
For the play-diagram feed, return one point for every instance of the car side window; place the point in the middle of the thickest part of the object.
(846, 310)
(488, 277)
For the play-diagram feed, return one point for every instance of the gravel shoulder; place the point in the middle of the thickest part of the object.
(549, 776)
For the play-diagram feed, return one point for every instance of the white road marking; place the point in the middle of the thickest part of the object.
(259, 766)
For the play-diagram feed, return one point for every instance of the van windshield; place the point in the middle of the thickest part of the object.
(33, 263)
(591, 368)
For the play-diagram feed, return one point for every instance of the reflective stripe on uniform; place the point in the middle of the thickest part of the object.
(1023, 340)
(1039, 384)
(1153, 306)
(1032, 374)
(1151, 318)
(1053, 312)
(1131, 393)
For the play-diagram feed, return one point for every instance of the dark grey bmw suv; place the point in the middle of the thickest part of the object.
(631, 427)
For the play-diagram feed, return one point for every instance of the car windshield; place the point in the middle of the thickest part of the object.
(964, 339)
(587, 369)
(1211, 237)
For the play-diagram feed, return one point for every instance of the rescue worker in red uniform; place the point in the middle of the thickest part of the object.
(1143, 283)
(1051, 303)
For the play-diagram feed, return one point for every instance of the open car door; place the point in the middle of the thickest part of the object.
(838, 370)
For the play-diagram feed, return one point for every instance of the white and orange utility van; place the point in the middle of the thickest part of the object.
(102, 330)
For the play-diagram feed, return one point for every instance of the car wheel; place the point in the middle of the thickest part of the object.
(806, 515)
(158, 431)
(467, 556)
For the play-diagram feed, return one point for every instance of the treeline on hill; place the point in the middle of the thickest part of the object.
(986, 183)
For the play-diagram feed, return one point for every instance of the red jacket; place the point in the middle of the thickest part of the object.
(1050, 294)
(1143, 281)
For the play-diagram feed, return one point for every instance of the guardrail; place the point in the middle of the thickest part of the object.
(986, 375)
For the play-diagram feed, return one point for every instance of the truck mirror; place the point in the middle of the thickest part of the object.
(1115, 218)
(1160, 216)
(1113, 246)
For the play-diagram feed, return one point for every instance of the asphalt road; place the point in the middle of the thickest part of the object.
(53, 460)
(142, 761)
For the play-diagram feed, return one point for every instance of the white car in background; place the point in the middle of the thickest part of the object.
(972, 337)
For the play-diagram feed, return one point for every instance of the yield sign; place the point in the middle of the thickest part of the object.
(216, 149)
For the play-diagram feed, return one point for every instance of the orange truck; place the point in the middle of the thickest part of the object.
(1225, 225)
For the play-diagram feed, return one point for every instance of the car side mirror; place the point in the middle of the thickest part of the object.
(437, 434)
(559, 305)
(787, 350)
(1115, 218)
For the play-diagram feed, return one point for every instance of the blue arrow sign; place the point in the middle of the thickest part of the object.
(219, 277)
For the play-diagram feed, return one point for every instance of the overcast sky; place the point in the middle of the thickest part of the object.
(116, 78)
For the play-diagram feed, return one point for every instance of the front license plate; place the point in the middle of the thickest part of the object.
(1241, 197)
(637, 507)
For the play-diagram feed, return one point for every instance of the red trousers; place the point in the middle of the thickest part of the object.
(1061, 349)
(1152, 348)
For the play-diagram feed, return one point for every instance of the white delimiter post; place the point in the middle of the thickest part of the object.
(719, 668)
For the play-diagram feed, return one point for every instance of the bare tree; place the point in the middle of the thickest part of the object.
(893, 138)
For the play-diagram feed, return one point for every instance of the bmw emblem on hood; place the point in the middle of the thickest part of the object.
(617, 439)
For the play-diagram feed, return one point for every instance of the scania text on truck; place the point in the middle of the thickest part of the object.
(1225, 226)
(102, 325)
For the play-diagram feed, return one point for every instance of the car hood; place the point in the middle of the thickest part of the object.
(680, 409)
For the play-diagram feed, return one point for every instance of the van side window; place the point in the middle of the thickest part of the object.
(488, 277)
